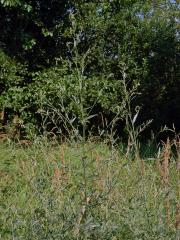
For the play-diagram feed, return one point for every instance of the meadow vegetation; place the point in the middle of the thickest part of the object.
(89, 120)
(88, 190)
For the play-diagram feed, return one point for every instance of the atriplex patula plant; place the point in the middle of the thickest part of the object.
(79, 60)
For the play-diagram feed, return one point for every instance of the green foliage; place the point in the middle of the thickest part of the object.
(10, 3)
(50, 48)
(12, 76)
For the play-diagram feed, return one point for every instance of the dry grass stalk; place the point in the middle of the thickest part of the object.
(165, 163)
(165, 176)
(177, 217)
(59, 173)
(57, 176)
(142, 167)
(177, 145)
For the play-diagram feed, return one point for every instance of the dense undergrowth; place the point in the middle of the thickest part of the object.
(87, 191)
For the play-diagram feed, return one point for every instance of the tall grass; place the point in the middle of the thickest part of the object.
(71, 191)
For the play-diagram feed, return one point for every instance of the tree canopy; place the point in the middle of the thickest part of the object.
(45, 46)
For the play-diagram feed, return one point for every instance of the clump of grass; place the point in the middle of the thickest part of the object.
(89, 191)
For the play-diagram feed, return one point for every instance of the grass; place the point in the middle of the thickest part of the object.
(72, 191)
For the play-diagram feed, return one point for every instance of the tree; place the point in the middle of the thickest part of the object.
(141, 35)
